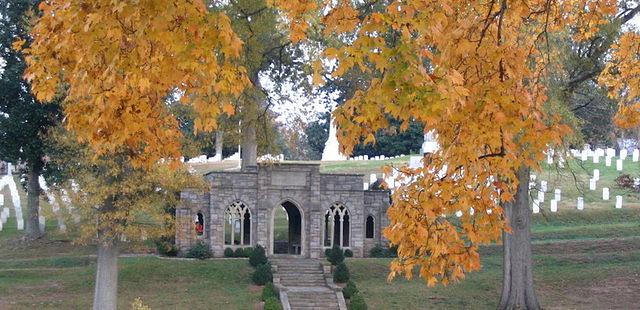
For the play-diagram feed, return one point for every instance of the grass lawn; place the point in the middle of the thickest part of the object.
(583, 260)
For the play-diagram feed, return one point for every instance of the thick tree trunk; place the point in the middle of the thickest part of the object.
(219, 137)
(249, 146)
(517, 285)
(33, 202)
(106, 290)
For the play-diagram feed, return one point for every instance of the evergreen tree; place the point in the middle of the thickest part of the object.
(25, 120)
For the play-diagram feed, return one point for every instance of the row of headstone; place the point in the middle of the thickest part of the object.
(608, 154)
(269, 157)
(380, 157)
(55, 207)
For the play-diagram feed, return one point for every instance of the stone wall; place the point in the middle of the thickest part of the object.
(264, 190)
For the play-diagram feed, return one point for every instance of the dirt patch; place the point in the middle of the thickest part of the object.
(588, 246)
(618, 291)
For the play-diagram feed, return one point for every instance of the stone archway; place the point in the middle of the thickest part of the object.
(287, 223)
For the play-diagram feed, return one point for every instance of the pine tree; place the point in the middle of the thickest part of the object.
(25, 120)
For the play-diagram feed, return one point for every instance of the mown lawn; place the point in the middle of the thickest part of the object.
(583, 260)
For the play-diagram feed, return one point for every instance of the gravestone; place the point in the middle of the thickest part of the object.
(580, 205)
(536, 206)
(458, 213)
(41, 223)
(623, 154)
(605, 193)
(592, 184)
(415, 162)
(541, 196)
(619, 165)
(611, 152)
(365, 186)
(543, 186)
(636, 155)
(583, 155)
(553, 205)
(618, 202)
(557, 194)
(596, 174)
(373, 178)
(596, 158)
(20, 223)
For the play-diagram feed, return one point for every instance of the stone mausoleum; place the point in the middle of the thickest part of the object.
(318, 210)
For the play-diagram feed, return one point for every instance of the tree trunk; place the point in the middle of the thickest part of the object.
(105, 296)
(219, 137)
(517, 285)
(249, 146)
(33, 202)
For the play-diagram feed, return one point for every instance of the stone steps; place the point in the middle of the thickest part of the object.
(304, 282)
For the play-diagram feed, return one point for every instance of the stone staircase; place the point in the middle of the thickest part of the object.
(306, 284)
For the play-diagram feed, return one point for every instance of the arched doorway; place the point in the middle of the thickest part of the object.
(286, 229)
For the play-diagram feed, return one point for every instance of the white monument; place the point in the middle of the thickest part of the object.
(332, 147)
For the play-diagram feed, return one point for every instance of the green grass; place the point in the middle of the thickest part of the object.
(161, 283)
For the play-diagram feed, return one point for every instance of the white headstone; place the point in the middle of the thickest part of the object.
(382, 157)
(41, 223)
(549, 158)
(607, 161)
(592, 184)
(543, 186)
(623, 154)
(599, 151)
(365, 186)
(557, 194)
(536, 206)
(373, 178)
(1, 224)
(580, 205)
(553, 205)
(533, 177)
(636, 155)
(619, 164)
(20, 222)
(611, 152)
(472, 211)
(1, 200)
(458, 213)
(583, 155)
(541, 196)
(596, 159)
(618, 202)
(3, 217)
(532, 185)
(596, 174)
(605, 193)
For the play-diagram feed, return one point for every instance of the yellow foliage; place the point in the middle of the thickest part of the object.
(118, 61)
(473, 71)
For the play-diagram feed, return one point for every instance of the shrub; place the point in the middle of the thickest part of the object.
(357, 302)
(239, 252)
(341, 273)
(199, 251)
(327, 253)
(166, 248)
(348, 253)
(378, 251)
(350, 290)
(228, 252)
(272, 304)
(262, 275)
(336, 255)
(393, 251)
(625, 181)
(269, 291)
(258, 257)
(247, 252)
